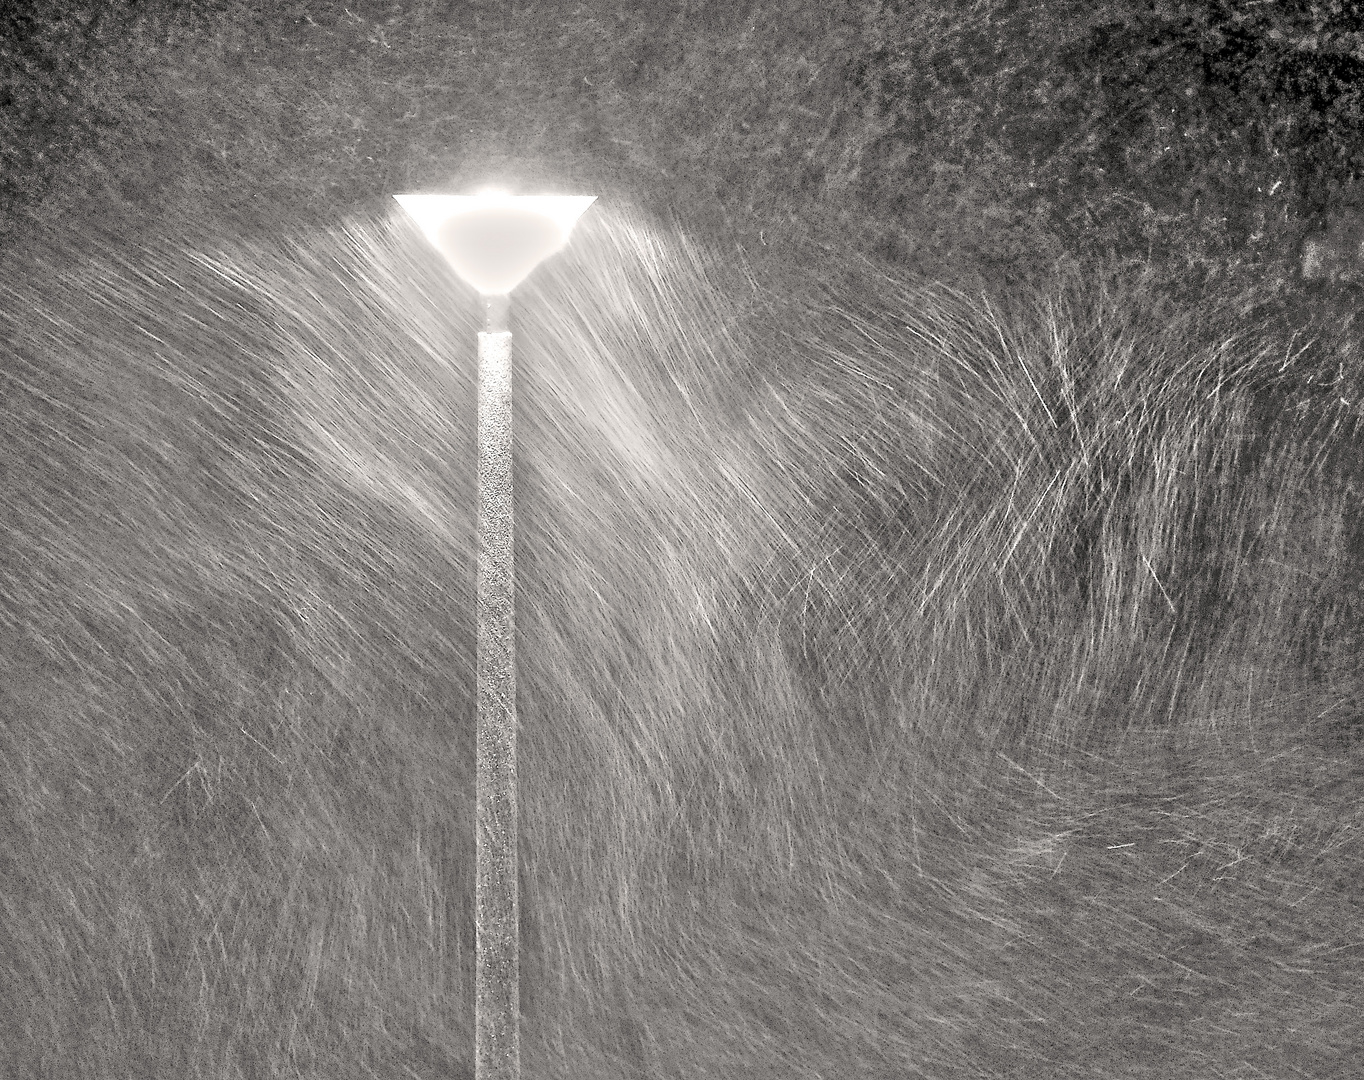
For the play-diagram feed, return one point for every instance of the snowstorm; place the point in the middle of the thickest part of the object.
(917, 675)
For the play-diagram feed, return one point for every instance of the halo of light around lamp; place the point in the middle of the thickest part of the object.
(493, 240)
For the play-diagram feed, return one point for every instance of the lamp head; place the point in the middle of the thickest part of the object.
(493, 240)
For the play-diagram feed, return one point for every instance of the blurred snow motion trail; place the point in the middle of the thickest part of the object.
(870, 636)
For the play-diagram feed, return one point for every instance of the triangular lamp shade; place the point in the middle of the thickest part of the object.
(493, 240)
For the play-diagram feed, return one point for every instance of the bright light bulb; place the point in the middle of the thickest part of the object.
(493, 240)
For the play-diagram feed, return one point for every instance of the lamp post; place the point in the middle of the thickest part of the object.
(493, 241)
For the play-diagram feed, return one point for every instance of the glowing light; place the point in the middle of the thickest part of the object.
(493, 240)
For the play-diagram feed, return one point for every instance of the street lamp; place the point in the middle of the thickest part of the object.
(493, 241)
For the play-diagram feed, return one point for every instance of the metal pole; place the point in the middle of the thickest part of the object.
(497, 1050)
(492, 241)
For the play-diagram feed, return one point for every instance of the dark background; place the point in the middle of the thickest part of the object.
(1202, 137)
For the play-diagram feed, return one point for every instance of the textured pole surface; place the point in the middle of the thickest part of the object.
(497, 1052)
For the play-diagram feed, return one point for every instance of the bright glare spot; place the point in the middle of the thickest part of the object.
(492, 240)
